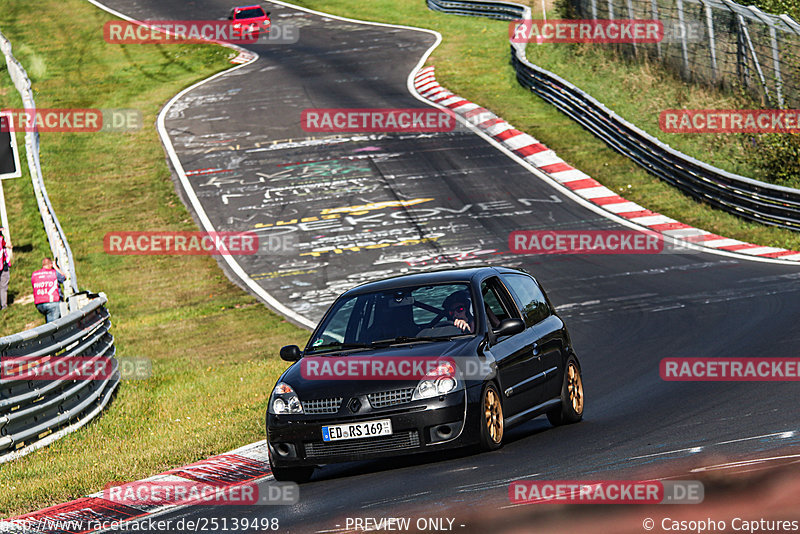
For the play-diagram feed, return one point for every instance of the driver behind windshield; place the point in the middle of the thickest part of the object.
(457, 307)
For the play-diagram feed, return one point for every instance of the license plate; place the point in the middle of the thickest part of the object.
(367, 429)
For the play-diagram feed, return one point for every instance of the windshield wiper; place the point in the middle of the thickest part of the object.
(341, 346)
(408, 339)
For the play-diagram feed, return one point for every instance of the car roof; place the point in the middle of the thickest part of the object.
(440, 276)
(237, 8)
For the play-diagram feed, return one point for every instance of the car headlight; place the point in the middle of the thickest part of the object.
(439, 382)
(284, 400)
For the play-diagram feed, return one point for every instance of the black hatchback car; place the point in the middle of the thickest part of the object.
(422, 362)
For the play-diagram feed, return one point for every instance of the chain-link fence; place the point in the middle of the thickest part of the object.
(715, 42)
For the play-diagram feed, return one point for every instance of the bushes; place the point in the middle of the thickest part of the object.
(779, 157)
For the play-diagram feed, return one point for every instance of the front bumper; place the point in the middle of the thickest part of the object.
(417, 427)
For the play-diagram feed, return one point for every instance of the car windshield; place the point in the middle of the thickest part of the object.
(404, 315)
(250, 13)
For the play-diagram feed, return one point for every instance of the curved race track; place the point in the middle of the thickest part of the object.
(252, 167)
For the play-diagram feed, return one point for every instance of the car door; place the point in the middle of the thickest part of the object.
(517, 365)
(547, 330)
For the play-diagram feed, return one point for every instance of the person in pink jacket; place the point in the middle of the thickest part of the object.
(46, 291)
(5, 263)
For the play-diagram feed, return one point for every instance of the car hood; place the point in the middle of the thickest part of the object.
(309, 385)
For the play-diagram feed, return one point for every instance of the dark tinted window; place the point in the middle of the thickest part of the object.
(528, 297)
(496, 302)
(416, 311)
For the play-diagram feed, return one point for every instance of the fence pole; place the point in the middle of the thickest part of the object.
(684, 46)
(654, 9)
(712, 44)
(742, 66)
(776, 60)
(752, 49)
(632, 16)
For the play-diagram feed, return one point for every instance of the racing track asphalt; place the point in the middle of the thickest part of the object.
(625, 312)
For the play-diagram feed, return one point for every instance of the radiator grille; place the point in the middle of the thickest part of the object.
(321, 406)
(390, 398)
(395, 442)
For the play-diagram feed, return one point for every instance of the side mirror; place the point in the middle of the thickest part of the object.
(268, 13)
(291, 353)
(508, 327)
(230, 17)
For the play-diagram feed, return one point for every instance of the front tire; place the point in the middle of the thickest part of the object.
(492, 420)
(571, 409)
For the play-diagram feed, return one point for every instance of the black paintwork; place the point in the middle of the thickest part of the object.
(526, 389)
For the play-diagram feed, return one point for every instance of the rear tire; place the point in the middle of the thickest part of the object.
(491, 417)
(571, 409)
(292, 474)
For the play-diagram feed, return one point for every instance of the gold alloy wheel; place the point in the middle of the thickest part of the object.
(493, 416)
(575, 388)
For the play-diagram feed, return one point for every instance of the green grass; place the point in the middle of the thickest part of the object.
(473, 62)
(213, 347)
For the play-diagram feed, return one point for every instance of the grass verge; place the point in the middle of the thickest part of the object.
(213, 347)
(473, 62)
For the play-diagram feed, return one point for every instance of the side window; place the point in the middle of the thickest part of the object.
(528, 297)
(496, 302)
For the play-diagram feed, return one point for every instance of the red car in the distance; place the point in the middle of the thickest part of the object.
(249, 20)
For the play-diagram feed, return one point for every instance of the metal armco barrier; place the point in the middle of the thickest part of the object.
(495, 10)
(34, 412)
(747, 198)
